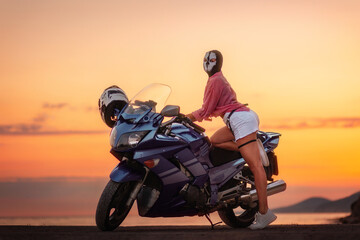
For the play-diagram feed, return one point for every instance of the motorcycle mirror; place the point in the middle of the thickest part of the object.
(170, 111)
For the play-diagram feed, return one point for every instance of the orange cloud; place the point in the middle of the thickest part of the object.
(55, 106)
(38, 125)
(353, 122)
(35, 129)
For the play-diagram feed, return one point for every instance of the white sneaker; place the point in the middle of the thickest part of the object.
(263, 220)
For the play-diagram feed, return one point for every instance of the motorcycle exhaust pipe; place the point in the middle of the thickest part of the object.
(272, 188)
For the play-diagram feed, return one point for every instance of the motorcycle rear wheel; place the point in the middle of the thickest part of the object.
(242, 220)
(111, 209)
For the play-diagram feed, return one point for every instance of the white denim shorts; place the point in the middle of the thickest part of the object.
(242, 123)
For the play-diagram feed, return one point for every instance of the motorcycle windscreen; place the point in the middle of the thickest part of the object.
(152, 97)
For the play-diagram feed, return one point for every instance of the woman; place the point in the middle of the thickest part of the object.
(240, 133)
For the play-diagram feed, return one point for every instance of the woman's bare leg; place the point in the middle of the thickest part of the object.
(224, 138)
(250, 153)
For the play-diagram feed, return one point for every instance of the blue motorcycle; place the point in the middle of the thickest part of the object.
(170, 168)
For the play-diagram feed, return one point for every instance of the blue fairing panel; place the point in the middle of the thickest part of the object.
(123, 173)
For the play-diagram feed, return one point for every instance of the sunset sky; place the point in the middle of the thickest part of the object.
(296, 63)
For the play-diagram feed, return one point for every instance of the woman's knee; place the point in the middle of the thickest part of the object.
(213, 139)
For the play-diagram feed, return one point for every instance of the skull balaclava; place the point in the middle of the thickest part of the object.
(213, 61)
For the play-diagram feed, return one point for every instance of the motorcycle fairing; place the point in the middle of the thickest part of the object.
(146, 154)
(122, 173)
(188, 160)
(168, 173)
(165, 170)
(187, 134)
(174, 208)
(198, 143)
(124, 126)
(219, 175)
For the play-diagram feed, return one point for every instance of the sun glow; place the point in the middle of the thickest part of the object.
(294, 62)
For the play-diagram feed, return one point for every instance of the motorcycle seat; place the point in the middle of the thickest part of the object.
(219, 156)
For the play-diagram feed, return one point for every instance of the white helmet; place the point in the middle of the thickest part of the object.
(112, 98)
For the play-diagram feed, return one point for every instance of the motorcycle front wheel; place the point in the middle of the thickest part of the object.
(237, 217)
(111, 209)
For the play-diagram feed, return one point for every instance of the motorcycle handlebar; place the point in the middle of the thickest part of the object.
(191, 123)
(182, 118)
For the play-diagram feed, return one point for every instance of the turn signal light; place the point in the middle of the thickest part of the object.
(152, 162)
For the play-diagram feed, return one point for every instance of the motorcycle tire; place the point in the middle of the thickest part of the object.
(111, 209)
(243, 220)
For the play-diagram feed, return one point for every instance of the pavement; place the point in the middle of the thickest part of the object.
(281, 232)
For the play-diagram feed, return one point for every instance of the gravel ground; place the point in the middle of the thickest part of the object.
(331, 231)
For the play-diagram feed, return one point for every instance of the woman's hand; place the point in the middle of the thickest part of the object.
(191, 117)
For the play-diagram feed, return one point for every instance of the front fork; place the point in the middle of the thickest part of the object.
(137, 189)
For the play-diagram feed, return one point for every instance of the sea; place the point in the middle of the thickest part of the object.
(134, 220)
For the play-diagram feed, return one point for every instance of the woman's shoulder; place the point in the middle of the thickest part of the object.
(217, 80)
(217, 77)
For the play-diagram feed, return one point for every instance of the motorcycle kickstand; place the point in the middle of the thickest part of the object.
(207, 215)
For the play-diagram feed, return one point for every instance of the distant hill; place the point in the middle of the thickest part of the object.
(318, 205)
(341, 205)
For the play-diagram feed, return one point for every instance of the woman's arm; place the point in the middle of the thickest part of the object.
(211, 100)
(191, 117)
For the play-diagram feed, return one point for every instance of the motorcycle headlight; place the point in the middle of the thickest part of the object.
(135, 138)
(130, 140)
